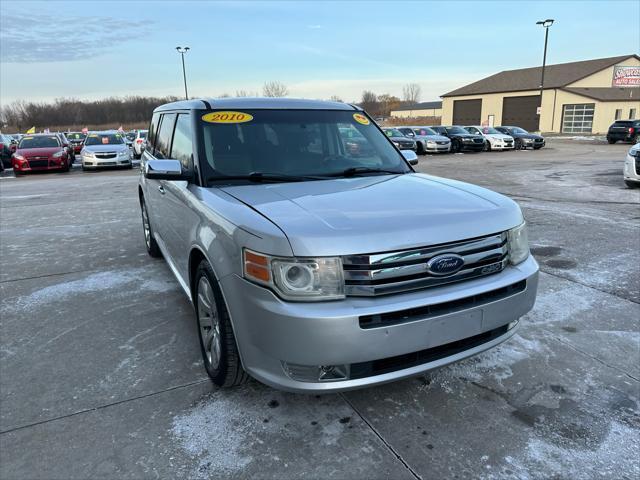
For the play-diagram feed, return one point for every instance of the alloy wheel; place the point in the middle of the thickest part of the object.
(209, 323)
(145, 226)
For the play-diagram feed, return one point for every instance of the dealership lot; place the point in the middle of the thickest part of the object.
(101, 376)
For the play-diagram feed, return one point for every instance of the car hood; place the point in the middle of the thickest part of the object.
(434, 138)
(378, 213)
(35, 152)
(464, 135)
(526, 135)
(498, 136)
(402, 139)
(106, 148)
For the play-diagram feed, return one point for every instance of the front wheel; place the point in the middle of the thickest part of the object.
(487, 146)
(631, 184)
(456, 146)
(518, 144)
(217, 341)
(150, 242)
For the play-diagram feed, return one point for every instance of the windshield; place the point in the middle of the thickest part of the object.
(131, 136)
(295, 142)
(76, 136)
(517, 130)
(457, 130)
(103, 139)
(425, 131)
(39, 142)
(393, 132)
(490, 130)
(143, 134)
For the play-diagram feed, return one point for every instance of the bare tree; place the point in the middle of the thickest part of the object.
(336, 98)
(386, 103)
(411, 93)
(275, 89)
(369, 102)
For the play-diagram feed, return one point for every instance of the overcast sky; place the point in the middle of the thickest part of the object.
(89, 50)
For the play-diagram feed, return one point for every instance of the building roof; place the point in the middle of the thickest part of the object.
(255, 103)
(419, 106)
(555, 76)
(607, 94)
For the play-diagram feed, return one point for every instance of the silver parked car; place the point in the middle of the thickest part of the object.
(321, 261)
(105, 149)
(427, 140)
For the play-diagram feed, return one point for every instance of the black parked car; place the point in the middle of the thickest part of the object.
(5, 151)
(400, 140)
(523, 139)
(461, 140)
(625, 131)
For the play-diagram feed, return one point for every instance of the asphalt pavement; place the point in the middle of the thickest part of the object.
(101, 377)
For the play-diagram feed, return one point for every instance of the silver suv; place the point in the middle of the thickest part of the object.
(316, 258)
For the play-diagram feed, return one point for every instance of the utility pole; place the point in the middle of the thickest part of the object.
(182, 51)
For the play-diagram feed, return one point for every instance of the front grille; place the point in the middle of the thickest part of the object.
(400, 362)
(108, 164)
(406, 144)
(38, 163)
(395, 272)
(106, 155)
(478, 140)
(637, 165)
(442, 143)
(538, 140)
(438, 309)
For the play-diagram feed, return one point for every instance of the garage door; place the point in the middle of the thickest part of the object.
(467, 112)
(521, 112)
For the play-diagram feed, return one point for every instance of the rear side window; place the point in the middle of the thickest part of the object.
(182, 147)
(153, 128)
(163, 139)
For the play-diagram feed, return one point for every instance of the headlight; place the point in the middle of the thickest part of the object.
(634, 152)
(301, 279)
(123, 153)
(20, 158)
(518, 244)
(467, 140)
(86, 153)
(58, 154)
(430, 142)
(396, 144)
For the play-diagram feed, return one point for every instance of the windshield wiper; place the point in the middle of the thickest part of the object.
(351, 171)
(260, 177)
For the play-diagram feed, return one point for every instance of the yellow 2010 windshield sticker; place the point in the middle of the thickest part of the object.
(227, 117)
(358, 117)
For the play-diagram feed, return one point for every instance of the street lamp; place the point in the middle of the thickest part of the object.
(546, 24)
(182, 51)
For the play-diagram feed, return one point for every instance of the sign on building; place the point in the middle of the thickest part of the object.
(624, 76)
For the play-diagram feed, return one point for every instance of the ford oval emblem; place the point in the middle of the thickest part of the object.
(446, 264)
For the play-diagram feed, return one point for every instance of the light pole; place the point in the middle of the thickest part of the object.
(546, 24)
(182, 51)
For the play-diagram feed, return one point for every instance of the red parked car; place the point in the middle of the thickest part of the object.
(40, 152)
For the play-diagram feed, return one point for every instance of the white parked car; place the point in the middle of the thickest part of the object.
(139, 143)
(632, 167)
(494, 140)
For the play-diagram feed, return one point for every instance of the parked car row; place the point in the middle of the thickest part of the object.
(57, 151)
(456, 138)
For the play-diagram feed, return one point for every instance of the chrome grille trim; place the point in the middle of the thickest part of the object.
(395, 272)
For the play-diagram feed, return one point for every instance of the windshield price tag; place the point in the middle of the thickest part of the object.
(227, 117)
(361, 119)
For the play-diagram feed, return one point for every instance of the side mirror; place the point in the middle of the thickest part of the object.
(164, 170)
(410, 156)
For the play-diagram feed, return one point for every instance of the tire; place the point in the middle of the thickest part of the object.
(518, 144)
(66, 167)
(456, 146)
(631, 184)
(487, 146)
(421, 150)
(220, 355)
(149, 241)
(611, 141)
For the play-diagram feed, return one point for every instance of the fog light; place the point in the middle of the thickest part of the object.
(316, 373)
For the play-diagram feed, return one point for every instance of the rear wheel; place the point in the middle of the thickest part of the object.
(150, 242)
(632, 184)
(217, 341)
(611, 141)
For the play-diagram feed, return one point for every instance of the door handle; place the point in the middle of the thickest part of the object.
(161, 189)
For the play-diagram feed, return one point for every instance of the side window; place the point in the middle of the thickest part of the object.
(163, 140)
(473, 130)
(182, 146)
(153, 130)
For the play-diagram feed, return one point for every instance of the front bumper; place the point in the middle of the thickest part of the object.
(437, 148)
(502, 146)
(272, 333)
(472, 147)
(93, 162)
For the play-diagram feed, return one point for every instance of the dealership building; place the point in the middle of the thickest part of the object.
(423, 109)
(578, 97)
